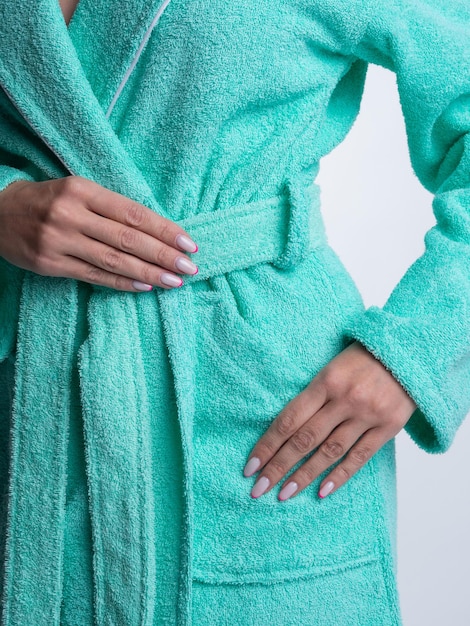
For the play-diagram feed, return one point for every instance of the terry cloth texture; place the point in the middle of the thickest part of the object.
(126, 419)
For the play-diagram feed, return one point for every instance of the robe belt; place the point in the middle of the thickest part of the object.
(117, 416)
(280, 229)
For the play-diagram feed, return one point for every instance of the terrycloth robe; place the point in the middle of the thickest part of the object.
(216, 114)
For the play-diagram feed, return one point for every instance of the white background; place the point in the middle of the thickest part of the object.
(376, 213)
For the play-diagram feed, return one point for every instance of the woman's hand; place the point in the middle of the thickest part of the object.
(353, 406)
(74, 228)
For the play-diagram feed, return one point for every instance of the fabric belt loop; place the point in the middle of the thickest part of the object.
(305, 224)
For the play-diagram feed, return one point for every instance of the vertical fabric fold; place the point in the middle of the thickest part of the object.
(39, 437)
(117, 439)
(116, 421)
(177, 311)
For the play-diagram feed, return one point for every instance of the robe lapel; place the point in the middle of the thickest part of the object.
(42, 75)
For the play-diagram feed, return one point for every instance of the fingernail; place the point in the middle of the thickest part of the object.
(185, 265)
(288, 490)
(251, 466)
(171, 280)
(325, 490)
(260, 487)
(186, 243)
(141, 286)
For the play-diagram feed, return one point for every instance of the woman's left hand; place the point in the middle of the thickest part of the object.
(353, 405)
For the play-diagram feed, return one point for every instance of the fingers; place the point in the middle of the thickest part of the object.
(313, 434)
(72, 267)
(139, 244)
(123, 256)
(348, 439)
(290, 419)
(357, 456)
(73, 227)
(365, 408)
(131, 214)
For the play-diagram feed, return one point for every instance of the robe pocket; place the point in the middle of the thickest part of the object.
(354, 594)
(240, 539)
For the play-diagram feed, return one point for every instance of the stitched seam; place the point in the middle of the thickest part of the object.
(324, 569)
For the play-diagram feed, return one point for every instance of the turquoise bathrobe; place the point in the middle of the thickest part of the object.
(126, 418)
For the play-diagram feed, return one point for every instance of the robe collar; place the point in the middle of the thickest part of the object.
(42, 75)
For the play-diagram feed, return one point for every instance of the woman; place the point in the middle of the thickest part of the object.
(129, 412)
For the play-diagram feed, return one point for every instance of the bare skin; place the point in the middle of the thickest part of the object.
(68, 8)
(74, 228)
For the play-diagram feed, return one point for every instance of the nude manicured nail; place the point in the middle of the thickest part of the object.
(185, 265)
(171, 280)
(326, 489)
(251, 466)
(288, 490)
(186, 243)
(260, 487)
(141, 286)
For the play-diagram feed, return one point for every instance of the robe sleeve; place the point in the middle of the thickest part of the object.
(422, 333)
(10, 275)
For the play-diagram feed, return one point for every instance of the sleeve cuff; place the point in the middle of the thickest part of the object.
(402, 348)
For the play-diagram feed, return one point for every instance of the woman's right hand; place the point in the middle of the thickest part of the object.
(73, 227)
